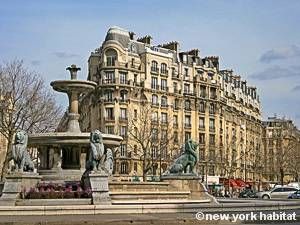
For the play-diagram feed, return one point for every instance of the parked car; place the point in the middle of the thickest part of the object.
(295, 195)
(278, 192)
(248, 193)
(294, 184)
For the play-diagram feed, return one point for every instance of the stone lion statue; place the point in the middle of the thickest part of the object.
(186, 160)
(100, 159)
(20, 155)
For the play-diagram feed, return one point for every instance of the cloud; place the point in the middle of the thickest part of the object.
(296, 88)
(35, 62)
(292, 51)
(65, 55)
(276, 72)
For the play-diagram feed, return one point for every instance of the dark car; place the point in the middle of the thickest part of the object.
(295, 195)
(248, 193)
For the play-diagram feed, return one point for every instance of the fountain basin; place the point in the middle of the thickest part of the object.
(66, 86)
(67, 138)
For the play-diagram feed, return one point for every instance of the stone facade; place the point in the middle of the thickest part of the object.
(281, 140)
(215, 107)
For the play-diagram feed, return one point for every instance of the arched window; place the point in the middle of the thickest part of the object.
(154, 100)
(164, 101)
(154, 66)
(111, 57)
(163, 68)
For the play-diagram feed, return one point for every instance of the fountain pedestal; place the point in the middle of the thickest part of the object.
(15, 183)
(99, 187)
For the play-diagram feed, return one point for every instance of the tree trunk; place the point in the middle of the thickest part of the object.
(144, 169)
(7, 158)
(281, 175)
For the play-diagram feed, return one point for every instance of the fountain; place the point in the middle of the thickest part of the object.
(63, 155)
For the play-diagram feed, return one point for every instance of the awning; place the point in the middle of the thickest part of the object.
(241, 183)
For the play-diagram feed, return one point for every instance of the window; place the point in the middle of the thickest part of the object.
(154, 152)
(123, 96)
(202, 154)
(109, 77)
(213, 93)
(154, 66)
(123, 78)
(108, 96)
(123, 150)
(163, 68)
(123, 131)
(202, 107)
(123, 113)
(109, 113)
(187, 136)
(202, 91)
(202, 138)
(211, 171)
(164, 86)
(155, 116)
(154, 134)
(212, 108)
(187, 121)
(164, 118)
(176, 103)
(164, 101)
(154, 100)
(211, 124)
(175, 87)
(211, 154)
(175, 137)
(187, 105)
(109, 129)
(154, 83)
(186, 88)
(211, 139)
(201, 122)
(135, 165)
(175, 121)
(124, 168)
(135, 114)
(135, 78)
(186, 72)
(111, 57)
(164, 135)
(135, 149)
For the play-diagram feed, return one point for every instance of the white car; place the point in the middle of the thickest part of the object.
(278, 192)
(294, 184)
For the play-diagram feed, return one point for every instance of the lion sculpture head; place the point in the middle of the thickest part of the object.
(96, 137)
(21, 137)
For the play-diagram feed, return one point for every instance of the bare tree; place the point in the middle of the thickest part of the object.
(26, 104)
(150, 134)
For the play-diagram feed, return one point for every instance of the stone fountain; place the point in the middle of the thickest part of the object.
(63, 155)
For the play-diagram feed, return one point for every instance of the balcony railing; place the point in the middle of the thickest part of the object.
(187, 125)
(164, 72)
(202, 127)
(122, 118)
(154, 70)
(164, 88)
(109, 118)
(212, 129)
(109, 81)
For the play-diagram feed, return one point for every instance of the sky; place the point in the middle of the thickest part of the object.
(258, 39)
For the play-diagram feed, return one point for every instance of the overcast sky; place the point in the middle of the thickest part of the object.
(260, 40)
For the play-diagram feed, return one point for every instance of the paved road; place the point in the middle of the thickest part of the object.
(132, 219)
